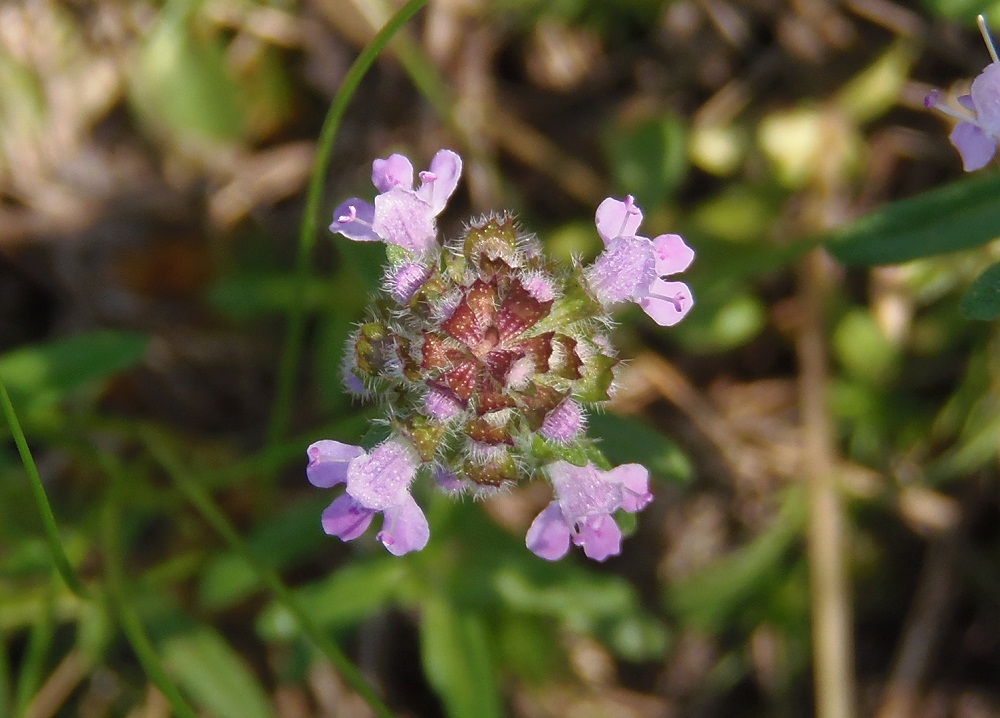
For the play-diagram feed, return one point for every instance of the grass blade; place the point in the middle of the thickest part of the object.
(282, 408)
(41, 499)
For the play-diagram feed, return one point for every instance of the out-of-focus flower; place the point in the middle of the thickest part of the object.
(978, 129)
(586, 498)
(632, 267)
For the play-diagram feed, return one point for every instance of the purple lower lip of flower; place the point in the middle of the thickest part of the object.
(586, 497)
(353, 219)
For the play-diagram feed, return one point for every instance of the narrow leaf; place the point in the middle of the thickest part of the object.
(982, 300)
(958, 216)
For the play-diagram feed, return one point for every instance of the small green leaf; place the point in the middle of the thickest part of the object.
(625, 440)
(982, 300)
(344, 598)
(958, 216)
(712, 598)
(456, 655)
(650, 158)
(45, 373)
(215, 675)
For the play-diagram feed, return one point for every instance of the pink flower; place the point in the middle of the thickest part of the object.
(377, 482)
(978, 130)
(632, 267)
(401, 214)
(586, 498)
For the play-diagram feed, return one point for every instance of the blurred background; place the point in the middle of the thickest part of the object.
(154, 160)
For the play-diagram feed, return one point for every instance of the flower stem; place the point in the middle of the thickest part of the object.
(59, 557)
(291, 354)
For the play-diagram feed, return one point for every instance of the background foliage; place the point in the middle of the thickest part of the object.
(171, 332)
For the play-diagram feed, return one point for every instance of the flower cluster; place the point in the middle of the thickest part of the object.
(485, 357)
(978, 114)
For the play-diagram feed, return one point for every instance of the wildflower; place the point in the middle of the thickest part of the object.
(378, 482)
(401, 215)
(978, 130)
(632, 267)
(585, 499)
(485, 358)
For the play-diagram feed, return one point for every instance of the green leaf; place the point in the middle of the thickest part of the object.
(625, 441)
(982, 300)
(278, 543)
(958, 216)
(45, 373)
(182, 83)
(214, 675)
(456, 651)
(650, 158)
(344, 598)
(712, 598)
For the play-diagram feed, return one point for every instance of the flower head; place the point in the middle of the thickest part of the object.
(978, 130)
(633, 267)
(401, 215)
(485, 358)
(585, 499)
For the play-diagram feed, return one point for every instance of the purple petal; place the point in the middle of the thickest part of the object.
(581, 491)
(623, 271)
(548, 535)
(353, 219)
(975, 146)
(440, 181)
(404, 219)
(667, 302)
(407, 280)
(564, 423)
(964, 100)
(328, 462)
(615, 218)
(634, 480)
(600, 537)
(448, 482)
(986, 99)
(405, 528)
(382, 478)
(391, 172)
(346, 519)
(672, 255)
(351, 383)
(442, 404)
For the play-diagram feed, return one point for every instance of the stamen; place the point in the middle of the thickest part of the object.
(348, 218)
(935, 100)
(352, 217)
(676, 300)
(987, 37)
(630, 209)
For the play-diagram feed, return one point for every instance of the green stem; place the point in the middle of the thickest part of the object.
(201, 500)
(282, 409)
(41, 499)
(121, 601)
(39, 642)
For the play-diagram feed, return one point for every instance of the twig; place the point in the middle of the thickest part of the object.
(833, 667)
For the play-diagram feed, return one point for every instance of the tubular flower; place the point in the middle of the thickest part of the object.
(978, 114)
(585, 499)
(401, 215)
(632, 267)
(485, 358)
(378, 482)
